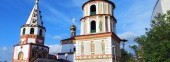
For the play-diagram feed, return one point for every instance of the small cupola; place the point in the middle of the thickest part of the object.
(73, 29)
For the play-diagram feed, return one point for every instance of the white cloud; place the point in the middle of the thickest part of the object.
(4, 48)
(133, 19)
(6, 53)
(127, 35)
(130, 36)
(136, 17)
(57, 37)
(54, 48)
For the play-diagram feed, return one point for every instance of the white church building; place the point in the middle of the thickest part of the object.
(97, 42)
(162, 6)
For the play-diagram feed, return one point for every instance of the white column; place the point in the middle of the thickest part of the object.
(97, 8)
(102, 7)
(88, 8)
(97, 24)
(88, 26)
(82, 27)
(104, 23)
(109, 28)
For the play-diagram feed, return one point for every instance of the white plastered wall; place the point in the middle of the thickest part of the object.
(95, 60)
(65, 48)
(97, 42)
(165, 5)
(24, 49)
(161, 7)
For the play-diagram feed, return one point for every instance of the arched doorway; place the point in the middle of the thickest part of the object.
(21, 56)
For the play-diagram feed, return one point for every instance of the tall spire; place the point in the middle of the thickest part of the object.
(35, 16)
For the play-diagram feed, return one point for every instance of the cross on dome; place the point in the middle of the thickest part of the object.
(73, 20)
(36, 1)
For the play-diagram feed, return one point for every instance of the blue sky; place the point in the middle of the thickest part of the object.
(133, 17)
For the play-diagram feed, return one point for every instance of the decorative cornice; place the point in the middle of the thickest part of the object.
(87, 57)
(32, 44)
(68, 42)
(91, 36)
(99, 0)
(98, 35)
(100, 15)
(72, 38)
(30, 25)
(32, 36)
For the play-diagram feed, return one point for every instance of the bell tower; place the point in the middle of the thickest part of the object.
(33, 31)
(31, 45)
(98, 41)
(98, 17)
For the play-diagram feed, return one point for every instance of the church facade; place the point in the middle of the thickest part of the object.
(97, 42)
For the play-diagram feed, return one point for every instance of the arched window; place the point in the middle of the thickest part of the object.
(93, 10)
(93, 27)
(92, 47)
(82, 48)
(103, 47)
(23, 32)
(74, 49)
(32, 31)
(41, 32)
(20, 56)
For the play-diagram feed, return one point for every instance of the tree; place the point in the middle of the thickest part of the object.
(126, 57)
(155, 44)
(136, 49)
(138, 53)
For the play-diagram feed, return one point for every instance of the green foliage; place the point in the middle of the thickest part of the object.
(136, 49)
(126, 57)
(156, 42)
(138, 53)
